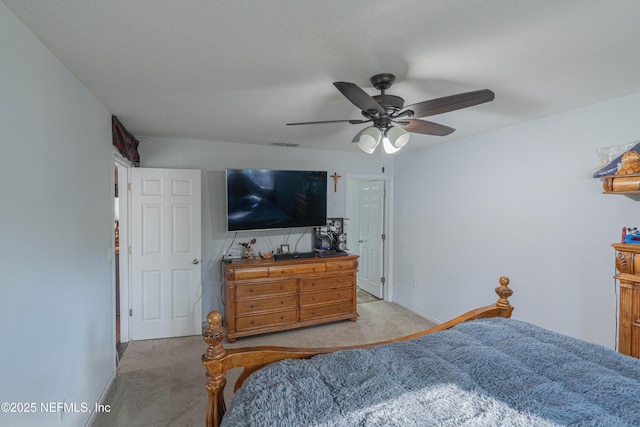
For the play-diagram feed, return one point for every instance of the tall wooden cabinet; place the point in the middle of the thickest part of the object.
(267, 296)
(628, 276)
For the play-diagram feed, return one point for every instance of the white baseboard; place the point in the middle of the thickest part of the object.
(418, 312)
(102, 399)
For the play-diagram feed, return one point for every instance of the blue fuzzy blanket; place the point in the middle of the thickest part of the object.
(489, 372)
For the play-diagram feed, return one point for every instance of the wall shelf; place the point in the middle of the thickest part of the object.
(621, 184)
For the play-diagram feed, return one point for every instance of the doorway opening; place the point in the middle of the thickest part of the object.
(121, 259)
(363, 297)
(368, 208)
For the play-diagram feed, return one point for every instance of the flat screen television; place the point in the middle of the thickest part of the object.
(261, 199)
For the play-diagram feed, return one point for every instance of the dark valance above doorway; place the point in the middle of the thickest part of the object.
(123, 139)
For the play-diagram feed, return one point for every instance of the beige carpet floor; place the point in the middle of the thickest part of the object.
(161, 382)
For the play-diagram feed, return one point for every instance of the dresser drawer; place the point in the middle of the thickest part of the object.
(332, 295)
(248, 306)
(295, 269)
(263, 320)
(342, 307)
(636, 265)
(250, 290)
(251, 273)
(326, 282)
(342, 265)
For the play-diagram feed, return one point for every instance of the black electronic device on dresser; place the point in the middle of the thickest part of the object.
(327, 254)
(294, 255)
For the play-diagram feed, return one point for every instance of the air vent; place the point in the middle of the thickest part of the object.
(285, 144)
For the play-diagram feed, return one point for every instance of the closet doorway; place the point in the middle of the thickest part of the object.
(368, 209)
(121, 258)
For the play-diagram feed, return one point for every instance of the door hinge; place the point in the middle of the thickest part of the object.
(130, 312)
(129, 250)
(384, 236)
(383, 280)
(129, 186)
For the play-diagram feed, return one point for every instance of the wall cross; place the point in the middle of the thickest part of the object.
(335, 177)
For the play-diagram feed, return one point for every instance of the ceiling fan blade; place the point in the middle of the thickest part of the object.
(425, 127)
(450, 103)
(353, 122)
(359, 97)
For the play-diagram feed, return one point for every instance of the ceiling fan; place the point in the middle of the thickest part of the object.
(392, 120)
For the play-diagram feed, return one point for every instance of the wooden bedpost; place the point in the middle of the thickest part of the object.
(504, 292)
(211, 359)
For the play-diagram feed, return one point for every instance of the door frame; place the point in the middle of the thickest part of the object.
(387, 261)
(124, 171)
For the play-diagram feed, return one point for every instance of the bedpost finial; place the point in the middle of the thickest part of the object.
(213, 336)
(504, 292)
(214, 318)
(213, 360)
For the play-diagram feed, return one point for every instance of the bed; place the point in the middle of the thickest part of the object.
(479, 369)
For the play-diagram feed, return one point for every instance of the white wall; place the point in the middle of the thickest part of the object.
(214, 157)
(56, 292)
(518, 202)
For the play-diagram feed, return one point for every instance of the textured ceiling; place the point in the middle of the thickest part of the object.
(237, 71)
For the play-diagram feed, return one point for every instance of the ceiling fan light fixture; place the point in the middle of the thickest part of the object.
(388, 147)
(397, 137)
(368, 139)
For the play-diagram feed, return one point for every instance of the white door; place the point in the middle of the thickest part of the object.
(165, 253)
(371, 243)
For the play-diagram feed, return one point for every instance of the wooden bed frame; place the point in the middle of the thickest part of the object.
(218, 360)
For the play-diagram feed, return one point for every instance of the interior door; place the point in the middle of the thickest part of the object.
(165, 253)
(371, 243)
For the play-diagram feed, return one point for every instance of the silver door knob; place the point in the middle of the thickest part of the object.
(195, 261)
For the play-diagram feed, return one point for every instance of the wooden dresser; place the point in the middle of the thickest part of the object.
(267, 296)
(628, 266)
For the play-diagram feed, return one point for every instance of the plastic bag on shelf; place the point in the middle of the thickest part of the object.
(611, 157)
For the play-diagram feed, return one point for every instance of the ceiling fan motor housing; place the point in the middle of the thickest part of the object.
(390, 103)
(382, 81)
